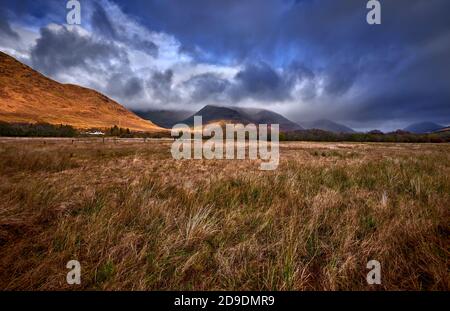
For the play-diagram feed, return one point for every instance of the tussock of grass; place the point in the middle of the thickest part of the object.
(136, 219)
(26, 159)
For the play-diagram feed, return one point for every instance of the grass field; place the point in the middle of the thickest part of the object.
(137, 219)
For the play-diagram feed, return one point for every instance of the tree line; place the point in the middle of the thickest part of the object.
(374, 136)
(52, 130)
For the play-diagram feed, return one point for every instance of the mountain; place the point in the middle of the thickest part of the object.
(26, 96)
(164, 118)
(375, 132)
(327, 125)
(262, 116)
(443, 130)
(212, 114)
(423, 127)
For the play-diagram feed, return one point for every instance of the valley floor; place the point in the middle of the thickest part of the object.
(137, 219)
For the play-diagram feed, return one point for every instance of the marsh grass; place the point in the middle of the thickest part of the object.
(137, 219)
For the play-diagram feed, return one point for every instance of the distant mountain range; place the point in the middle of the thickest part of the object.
(444, 129)
(212, 114)
(164, 118)
(26, 96)
(327, 125)
(423, 128)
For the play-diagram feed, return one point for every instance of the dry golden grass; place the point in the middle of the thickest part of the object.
(137, 219)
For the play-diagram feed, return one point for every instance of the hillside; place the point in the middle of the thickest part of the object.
(242, 115)
(423, 127)
(28, 96)
(327, 125)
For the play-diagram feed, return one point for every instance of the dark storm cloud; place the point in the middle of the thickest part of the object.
(277, 30)
(59, 49)
(161, 86)
(417, 90)
(260, 81)
(121, 87)
(307, 79)
(386, 57)
(419, 102)
(207, 86)
(340, 78)
(301, 71)
(227, 28)
(338, 29)
(257, 81)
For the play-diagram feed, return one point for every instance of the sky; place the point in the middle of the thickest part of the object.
(305, 59)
